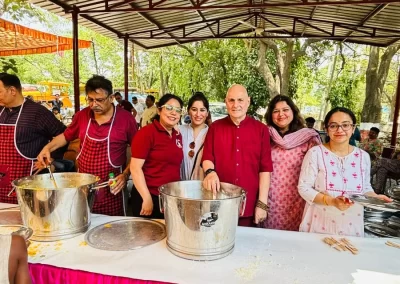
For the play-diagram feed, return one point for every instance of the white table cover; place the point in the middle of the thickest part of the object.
(260, 256)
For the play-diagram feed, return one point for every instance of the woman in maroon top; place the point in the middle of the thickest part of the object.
(156, 157)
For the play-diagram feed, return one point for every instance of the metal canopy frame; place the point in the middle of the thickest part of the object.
(152, 24)
(159, 23)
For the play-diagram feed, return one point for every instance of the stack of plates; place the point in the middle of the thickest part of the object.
(393, 192)
(382, 230)
(384, 227)
(376, 203)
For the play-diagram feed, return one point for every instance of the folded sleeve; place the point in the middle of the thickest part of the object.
(308, 176)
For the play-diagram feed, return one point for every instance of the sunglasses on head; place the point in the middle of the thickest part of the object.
(191, 152)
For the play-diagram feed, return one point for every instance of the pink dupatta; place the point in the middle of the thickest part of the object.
(294, 139)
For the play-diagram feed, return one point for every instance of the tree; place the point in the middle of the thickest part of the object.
(286, 52)
(376, 76)
(18, 9)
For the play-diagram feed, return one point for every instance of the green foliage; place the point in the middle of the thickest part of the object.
(209, 66)
(7, 64)
(19, 9)
(342, 93)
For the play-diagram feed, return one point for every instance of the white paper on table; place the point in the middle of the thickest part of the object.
(373, 277)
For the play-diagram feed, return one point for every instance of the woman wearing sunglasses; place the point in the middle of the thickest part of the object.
(156, 157)
(193, 135)
(330, 174)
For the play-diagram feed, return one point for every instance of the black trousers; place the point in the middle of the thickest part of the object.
(136, 202)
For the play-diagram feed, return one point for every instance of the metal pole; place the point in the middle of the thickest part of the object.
(126, 63)
(396, 114)
(75, 57)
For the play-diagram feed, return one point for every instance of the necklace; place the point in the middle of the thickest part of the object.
(335, 151)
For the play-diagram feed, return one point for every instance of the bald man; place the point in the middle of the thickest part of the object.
(237, 151)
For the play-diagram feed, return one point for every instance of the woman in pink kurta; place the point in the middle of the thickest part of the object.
(332, 172)
(290, 141)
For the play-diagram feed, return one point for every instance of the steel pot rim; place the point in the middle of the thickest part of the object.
(27, 178)
(242, 194)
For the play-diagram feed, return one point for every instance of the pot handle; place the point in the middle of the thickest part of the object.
(243, 204)
(100, 185)
(161, 203)
(11, 192)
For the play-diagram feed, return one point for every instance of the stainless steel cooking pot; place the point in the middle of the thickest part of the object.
(201, 226)
(60, 213)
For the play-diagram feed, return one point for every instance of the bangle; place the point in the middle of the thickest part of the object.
(262, 205)
(208, 171)
(324, 200)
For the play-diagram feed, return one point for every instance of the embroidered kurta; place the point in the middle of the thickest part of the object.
(285, 204)
(324, 172)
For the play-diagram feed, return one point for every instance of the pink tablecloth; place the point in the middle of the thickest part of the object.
(43, 274)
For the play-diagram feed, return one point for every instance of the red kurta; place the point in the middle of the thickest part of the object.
(239, 154)
(162, 152)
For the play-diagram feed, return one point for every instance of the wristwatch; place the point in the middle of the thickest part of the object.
(208, 171)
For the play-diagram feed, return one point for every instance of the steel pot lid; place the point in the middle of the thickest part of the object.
(128, 234)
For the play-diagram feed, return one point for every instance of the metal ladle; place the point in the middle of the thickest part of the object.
(51, 175)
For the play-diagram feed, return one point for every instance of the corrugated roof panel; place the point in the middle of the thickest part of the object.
(282, 16)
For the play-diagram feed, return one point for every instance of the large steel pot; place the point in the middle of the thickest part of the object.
(56, 214)
(200, 226)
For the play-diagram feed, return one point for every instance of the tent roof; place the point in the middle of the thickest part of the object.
(20, 40)
(157, 23)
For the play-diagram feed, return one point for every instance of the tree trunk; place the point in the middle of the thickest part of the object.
(265, 71)
(324, 110)
(376, 76)
(287, 66)
(284, 57)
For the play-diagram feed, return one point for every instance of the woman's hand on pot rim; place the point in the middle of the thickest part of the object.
(211, 182)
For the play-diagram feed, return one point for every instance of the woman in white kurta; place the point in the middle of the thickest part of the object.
(329, 174)
(193, 136)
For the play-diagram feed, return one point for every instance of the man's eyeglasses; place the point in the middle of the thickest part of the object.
(191, 152)
(98, 101)
(344, 126)
(171, 108)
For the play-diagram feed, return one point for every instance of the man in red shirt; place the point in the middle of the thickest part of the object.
(237, 151)
(25, 128)
(105, 132)
(124, 104)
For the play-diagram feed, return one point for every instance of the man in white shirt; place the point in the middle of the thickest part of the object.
(139, 110)
(149, 112)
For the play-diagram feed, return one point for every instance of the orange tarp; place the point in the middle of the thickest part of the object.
(20, 40)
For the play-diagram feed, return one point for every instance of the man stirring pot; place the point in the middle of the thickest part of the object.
(105, 132)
